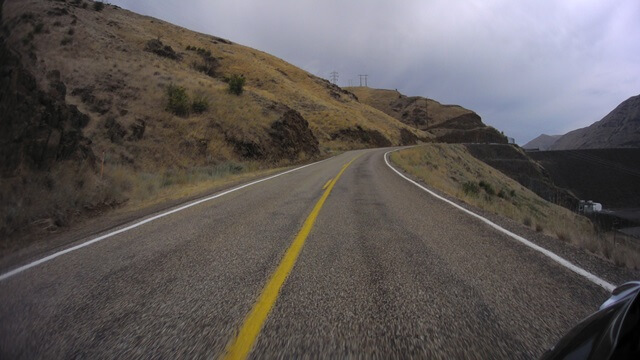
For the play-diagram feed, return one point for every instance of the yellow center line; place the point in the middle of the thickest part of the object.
(327, 184)
(241, 345)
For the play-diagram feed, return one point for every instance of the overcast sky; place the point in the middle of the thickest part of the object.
(527, 67)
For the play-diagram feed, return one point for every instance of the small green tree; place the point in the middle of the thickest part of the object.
(236, 84)
(177, 100)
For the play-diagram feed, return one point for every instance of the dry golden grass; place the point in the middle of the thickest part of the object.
(107, 53)
(452, 170)
(103, 55)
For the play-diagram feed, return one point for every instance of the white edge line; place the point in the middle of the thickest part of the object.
(578, 270)
(142, 222)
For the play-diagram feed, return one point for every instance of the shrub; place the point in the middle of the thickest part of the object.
(539, 228)
(66, 40)
(199, 104)
(71, 31)
(157, 47)
(527, 221)
(563, 236)
(27, 38)
(177, 100)
(209, 63)
(470, 188)
(487, 187)
(98, 6)
(38, 28)
(236, 84)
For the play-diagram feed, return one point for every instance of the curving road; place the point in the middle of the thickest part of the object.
(384, 270)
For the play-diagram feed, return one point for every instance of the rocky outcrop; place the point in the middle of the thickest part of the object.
(358, 134)
(449, 123)
(619, 129)
(289, 138)
(37, 127)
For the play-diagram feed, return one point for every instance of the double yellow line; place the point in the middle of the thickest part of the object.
(241, 345)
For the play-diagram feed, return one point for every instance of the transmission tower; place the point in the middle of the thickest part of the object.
(334, 77)
(365, 80)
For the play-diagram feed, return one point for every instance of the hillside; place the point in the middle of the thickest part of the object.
(514, 163)
(607, 176)
(102, 106)
(619, 129)
(447, 123)
(542, 142)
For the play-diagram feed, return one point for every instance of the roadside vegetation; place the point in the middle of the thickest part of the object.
(236, 84)
(451, 169)
(77, 190)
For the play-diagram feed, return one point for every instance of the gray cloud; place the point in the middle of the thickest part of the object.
(526, 67)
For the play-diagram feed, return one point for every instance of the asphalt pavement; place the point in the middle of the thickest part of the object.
(386, 271)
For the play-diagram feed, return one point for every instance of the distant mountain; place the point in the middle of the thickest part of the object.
(448, 123)
(619, 129)
(542, 142)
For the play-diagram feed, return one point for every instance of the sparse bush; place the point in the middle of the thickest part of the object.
(199, 104)
(57, 23)
(470, 188)
(236, 84)
(28, 16)
(512, 193)
(71, 31)
(84, 5)
(563, 236)
(27, 38)
(177, 100)
(527, 221)
(38, 28)
(98, 6)
(208, 65)
(539, 228)
(157, 47)
(66, 40)
(502, 194)
(487, 187)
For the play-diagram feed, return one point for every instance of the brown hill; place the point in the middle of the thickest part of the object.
(542, 142)
(117, 66)
(619, 129)
(85, 82)
(448, 123)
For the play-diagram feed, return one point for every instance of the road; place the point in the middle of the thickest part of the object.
(384, 270)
